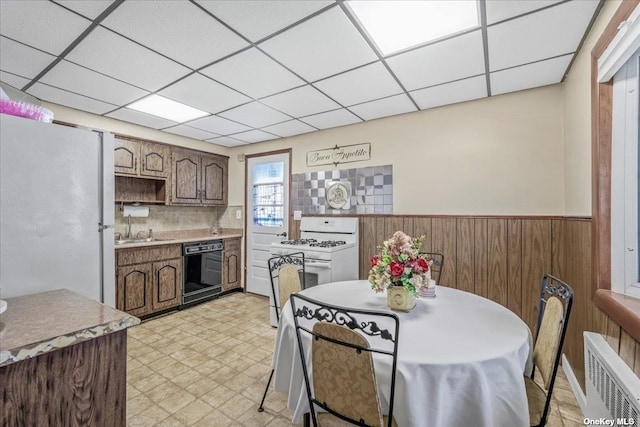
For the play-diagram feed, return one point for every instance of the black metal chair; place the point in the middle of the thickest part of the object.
(340, 343)
(556, 298)
(437, 266)
(287, 271)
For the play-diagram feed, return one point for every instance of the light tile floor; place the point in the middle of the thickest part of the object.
(207, 366)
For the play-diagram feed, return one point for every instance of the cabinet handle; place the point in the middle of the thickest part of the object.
(143, 164)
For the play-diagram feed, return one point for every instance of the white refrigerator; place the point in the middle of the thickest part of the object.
(56, 210)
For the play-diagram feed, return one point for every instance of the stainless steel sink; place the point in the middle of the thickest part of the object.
(140, 240)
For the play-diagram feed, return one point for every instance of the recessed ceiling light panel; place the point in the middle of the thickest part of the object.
(167, 109)
(398, 25)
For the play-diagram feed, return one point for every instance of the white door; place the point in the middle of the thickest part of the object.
(267, 215)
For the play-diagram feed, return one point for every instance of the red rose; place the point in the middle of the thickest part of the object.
(423, 264)
(396, 269)
(374, 260)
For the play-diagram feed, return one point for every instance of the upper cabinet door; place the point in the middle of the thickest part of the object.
(155, 160)
(186, 177)
(214, 180)
(126, 153)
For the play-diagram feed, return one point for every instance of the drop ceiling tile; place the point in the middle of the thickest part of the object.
(88, 8)
(255, 115)
(253, 73)
(203, 93)
(302, 101)
(258, 19)
(142, 119)
(397, 104)
(498, 10)
(360, 85)
(254, 136)
(68, 99)
(115, 56)
(310, 49)
(177, 29)
(41, 24)
(13, 80)
(74, 78)
(551, 32)
(451, 93)
(290, 128)
(445, 61)
(227, 141)
(528, 76)
(190, 132)
(331, 119)
(218, 125)
(23, 60)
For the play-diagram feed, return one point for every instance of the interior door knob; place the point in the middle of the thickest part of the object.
(284, 234)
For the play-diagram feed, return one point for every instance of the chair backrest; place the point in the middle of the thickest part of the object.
(437, 266)
(556, 298)
(287, 274)
(340, 343)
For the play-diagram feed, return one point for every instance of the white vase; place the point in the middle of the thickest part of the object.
(400, 299)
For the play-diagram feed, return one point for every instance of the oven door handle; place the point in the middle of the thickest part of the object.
(317, 264)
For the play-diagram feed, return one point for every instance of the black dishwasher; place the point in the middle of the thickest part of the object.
(202, 270)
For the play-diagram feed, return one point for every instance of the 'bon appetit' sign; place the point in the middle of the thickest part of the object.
(337, 155)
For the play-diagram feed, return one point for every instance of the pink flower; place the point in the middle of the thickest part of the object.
(374, 260)
(396, 269)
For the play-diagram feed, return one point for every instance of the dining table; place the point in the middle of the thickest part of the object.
(461, 358)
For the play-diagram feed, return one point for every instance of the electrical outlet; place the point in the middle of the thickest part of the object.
(238, 214)
(297, 215)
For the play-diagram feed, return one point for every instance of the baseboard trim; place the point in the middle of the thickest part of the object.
(581, 398)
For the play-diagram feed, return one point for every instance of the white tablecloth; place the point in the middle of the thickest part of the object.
(461, 358)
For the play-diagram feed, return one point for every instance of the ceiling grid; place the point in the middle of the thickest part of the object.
(263, 70)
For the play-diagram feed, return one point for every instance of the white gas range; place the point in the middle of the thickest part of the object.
(330, 247)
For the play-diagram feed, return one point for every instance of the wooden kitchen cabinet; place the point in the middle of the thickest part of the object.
(231, 265)
(198, 179)
(148, 279)
(133, 157)
(214, 180)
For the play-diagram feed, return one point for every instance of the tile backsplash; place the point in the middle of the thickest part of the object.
(371, 190)
(171, 218)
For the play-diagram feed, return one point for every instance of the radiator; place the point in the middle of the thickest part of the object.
(613, 390)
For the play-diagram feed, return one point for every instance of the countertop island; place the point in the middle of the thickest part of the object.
(63, 361)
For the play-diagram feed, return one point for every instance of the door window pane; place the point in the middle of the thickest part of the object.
(268, 209)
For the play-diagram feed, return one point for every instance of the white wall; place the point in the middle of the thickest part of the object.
(577, 121)
(496, 156)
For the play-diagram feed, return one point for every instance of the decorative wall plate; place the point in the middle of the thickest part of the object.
(337, 196)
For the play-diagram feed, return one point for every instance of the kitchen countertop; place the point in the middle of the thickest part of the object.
(43, 322)
(184, 236)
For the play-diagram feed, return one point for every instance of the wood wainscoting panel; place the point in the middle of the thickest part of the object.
(536, 261)
(497, 260)
(464, 256)
(480, 258)
(627, 348)
(443, 240)
(514, 266)
(422, 227)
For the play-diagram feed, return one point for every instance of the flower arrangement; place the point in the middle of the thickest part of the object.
(400, 263)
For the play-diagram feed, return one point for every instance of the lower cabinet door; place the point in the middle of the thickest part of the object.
(167, 284)
(133, 289)
(231, 270)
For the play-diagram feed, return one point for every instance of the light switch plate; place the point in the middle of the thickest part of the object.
(238, 214)
(297, 215)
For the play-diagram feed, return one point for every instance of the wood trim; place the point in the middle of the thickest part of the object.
(622, 309)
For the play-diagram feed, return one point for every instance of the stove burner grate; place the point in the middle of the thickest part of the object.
(298, 242)
(328, 243)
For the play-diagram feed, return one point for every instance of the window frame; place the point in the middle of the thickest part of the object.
(622, 309)
(624, 179)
